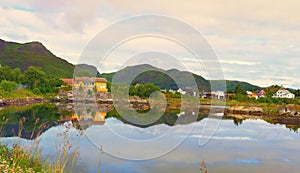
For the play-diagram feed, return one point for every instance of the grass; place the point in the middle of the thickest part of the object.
(18, 94)
(203, 167)
(20, 158)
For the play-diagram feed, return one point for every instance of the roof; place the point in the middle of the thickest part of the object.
(67, 80)
(90, 79)
(284, 91)
(100, 80)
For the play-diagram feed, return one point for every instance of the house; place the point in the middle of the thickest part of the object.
(96, 118)
(261, 93)
(67, 82)
(214, 95)
(252, 95)
(99, 84)
(188, 90)
(283, 93)
(218, 94)
(181, 91)
(169, 90)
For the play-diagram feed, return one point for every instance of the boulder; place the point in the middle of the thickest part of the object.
(288, 110)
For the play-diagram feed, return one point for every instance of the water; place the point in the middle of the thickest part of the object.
(237, 146)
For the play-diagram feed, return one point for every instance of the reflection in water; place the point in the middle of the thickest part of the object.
(238, 146)
(83, 121)
(31, 120)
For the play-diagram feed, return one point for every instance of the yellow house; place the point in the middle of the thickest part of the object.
(99, 117)
(99, 84)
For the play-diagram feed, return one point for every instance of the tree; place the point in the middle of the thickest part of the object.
(34, 77)
(15, 75)
(296, 92)
(239, 90)
(8, 86)
(149, 89)
(143, 90)
(50, 85)
(4, 71)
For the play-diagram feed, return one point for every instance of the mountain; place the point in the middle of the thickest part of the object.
(231, 84)
(17, 55)
(162, 78)
(85, 70)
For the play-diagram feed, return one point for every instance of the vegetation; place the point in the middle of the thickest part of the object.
(29, 122)
(203, 167)
(142, 90)
(22, 56)
(158, 77)
(32, 82)
(230, 85)
(20, 159)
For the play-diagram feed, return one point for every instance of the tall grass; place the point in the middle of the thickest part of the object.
(21, 158)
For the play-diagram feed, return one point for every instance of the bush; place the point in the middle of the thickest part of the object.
(36, 91)
(8, 86)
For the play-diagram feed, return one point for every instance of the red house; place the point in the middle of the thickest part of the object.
(260, 93)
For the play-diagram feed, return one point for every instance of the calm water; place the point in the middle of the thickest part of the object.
(248, 146)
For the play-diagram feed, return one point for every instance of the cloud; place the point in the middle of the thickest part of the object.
(249, 37)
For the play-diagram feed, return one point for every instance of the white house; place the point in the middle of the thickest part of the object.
(218, 94)
(189, 91)
(181, 91)
(283, 93)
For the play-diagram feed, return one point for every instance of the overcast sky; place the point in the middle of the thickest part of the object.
(255, 41)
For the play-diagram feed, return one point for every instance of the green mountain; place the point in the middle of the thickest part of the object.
(161, 78)
(231, 84)
(17, 55)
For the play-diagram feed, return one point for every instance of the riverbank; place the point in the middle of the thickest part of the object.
(18, 102)
(230, 107)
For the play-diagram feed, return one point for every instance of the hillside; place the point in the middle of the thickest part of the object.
(158, 76)
(17, 55)
(162, 78)
(230, 85)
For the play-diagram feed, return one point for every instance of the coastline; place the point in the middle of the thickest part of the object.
(237, 111)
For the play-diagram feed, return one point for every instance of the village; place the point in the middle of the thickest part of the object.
(97, 89)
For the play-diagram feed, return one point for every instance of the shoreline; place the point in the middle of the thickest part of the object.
(143, 104)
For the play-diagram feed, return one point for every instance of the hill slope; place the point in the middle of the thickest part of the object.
(162, 78)
(22, 56)
(17, 55)
(158, 77)
(230, 85)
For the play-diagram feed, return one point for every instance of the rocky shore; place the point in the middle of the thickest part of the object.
(17, 102)
(287, 110)
(143, 104)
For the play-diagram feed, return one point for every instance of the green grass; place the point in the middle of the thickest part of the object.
(18, 94)
(20, 159)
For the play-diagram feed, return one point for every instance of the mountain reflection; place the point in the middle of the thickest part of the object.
(31, 121)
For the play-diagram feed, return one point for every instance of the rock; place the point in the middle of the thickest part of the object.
(288, 110)
(245, 111)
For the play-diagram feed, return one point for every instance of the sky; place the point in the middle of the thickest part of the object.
(255, 41)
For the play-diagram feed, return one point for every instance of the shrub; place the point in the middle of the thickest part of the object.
(8, 86)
